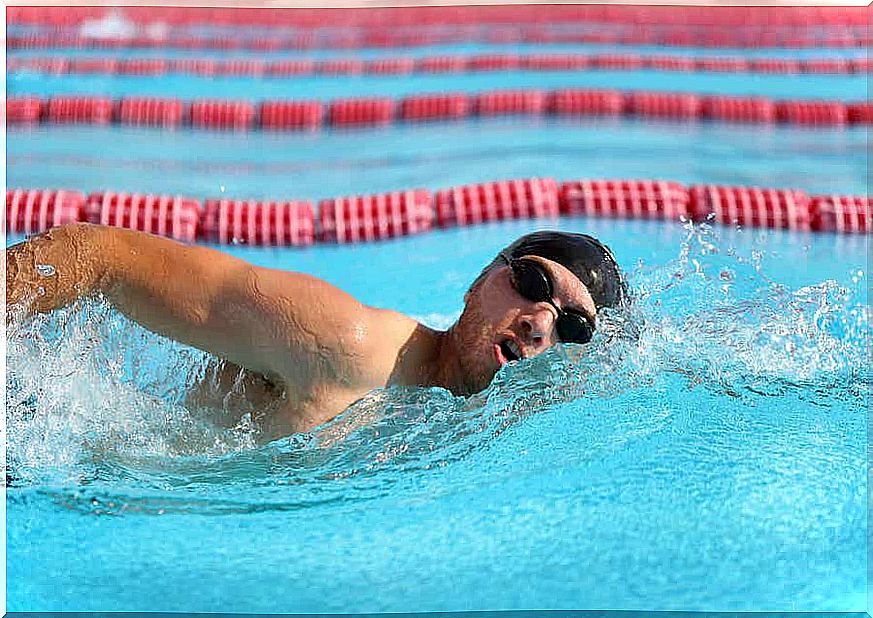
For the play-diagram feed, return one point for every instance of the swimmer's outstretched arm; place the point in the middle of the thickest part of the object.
(289, 326)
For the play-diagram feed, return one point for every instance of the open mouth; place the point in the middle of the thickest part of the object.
(509, 351)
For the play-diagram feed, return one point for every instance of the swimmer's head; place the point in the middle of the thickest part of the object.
(504, 321)
(587, 258)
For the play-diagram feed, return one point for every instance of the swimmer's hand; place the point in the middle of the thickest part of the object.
(291, 327)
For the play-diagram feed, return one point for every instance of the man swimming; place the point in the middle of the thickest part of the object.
(304, 349)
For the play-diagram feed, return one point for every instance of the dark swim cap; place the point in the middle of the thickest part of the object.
(586, 257)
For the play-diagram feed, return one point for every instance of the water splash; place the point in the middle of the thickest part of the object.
(96, 412)
(85, 385)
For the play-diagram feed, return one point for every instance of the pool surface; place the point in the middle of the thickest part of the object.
(713, 461)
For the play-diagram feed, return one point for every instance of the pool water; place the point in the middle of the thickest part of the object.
(435, 155)
(841, 87)
(716, 460)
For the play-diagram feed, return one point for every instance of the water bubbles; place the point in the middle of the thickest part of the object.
(45, 270)
(757, 256)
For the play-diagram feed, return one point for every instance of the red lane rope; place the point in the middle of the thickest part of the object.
(436, 64)
(362, 218)
(458, 16)
(290, 115)
(706, 37)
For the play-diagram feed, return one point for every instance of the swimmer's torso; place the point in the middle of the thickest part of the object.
(228, 394)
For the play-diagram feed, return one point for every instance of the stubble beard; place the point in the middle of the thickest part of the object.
(474, 346)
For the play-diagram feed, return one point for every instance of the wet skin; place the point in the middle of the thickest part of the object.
(302, 349)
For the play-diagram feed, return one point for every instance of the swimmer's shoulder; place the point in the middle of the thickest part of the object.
(382, 336)
(391, 327)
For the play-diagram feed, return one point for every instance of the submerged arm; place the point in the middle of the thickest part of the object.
(286, 325)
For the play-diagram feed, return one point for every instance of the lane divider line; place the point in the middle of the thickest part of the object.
(144, 67)
(365, 218)
(293, 115)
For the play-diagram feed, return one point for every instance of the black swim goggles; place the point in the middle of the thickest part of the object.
(532, 281)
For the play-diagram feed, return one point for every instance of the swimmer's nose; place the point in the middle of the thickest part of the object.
(537, 327)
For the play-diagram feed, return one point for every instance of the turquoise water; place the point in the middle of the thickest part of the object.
(716, 462)
(437, 155)
(836, 87)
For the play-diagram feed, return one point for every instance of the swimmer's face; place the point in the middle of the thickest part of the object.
(499, 325)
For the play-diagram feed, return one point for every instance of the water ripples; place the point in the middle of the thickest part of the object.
(96, 419)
